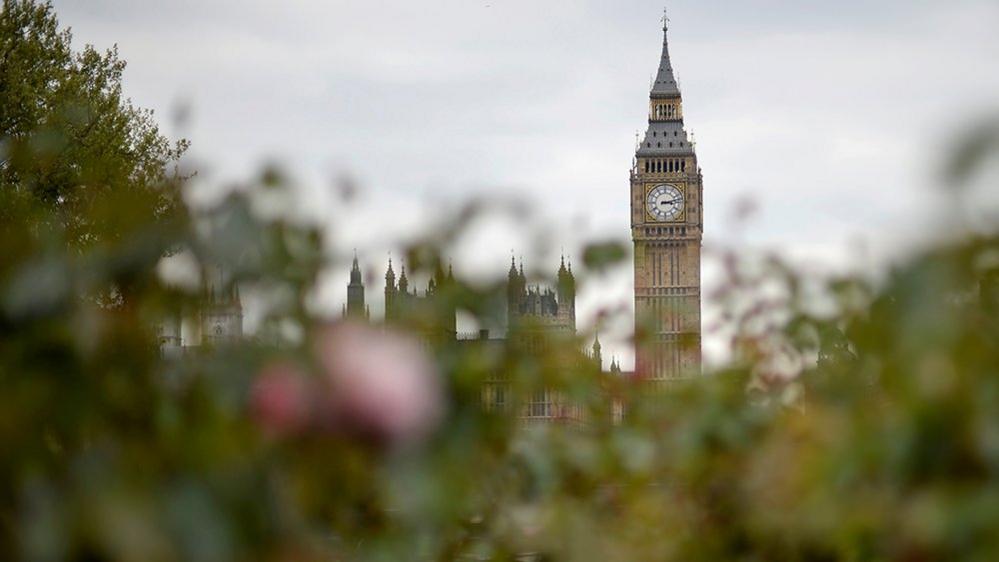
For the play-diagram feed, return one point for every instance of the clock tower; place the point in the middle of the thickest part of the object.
(666, 228)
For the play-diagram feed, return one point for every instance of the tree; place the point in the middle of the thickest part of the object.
(69, 141)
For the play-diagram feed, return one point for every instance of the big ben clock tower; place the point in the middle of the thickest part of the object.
(666, 228)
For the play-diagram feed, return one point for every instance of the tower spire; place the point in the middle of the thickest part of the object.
(355, 271)
(355, 290)
(665, 84)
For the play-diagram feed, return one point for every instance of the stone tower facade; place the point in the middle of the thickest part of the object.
(666, 228)
(432, 315)
(536, 308)
(355, 293)
(221, 317)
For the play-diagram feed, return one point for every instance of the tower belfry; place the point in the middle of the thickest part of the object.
(666, 227)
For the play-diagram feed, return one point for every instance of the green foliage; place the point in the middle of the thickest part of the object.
(71, 143)
(880, 443)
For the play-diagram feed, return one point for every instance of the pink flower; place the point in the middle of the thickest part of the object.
(279, 398)
(381, 384)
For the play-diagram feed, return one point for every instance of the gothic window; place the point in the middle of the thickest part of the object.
(538, 407)
(659, 145)
(499, 397)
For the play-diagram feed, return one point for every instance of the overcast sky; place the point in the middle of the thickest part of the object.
(829, 117)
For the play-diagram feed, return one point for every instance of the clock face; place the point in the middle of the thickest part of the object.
(665, 202)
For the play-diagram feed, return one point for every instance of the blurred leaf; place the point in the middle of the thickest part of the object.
(971, 151)
(603, 255)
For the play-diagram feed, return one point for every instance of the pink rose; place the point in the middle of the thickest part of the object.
(279, 398)
(381, 383)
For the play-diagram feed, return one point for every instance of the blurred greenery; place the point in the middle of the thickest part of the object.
(864, 429)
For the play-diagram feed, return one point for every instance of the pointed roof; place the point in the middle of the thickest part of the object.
(615, 366)
(665, 136)
(665, 84)
(403, 281)
(355, 271)
(389, 274)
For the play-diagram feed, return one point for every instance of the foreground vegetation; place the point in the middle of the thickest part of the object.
(864, 429)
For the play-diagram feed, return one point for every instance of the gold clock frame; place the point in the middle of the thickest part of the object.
(681, 217)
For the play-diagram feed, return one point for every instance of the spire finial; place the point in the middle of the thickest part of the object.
(665, 19)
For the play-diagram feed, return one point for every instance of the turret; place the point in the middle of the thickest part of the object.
(390, 291)
(597, 357)
(566, 294)
(221, 317)
(403, 282)
(514, 293)
(615, 367)
(355, 292)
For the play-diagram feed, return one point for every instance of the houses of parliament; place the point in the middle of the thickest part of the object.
(666, 221)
